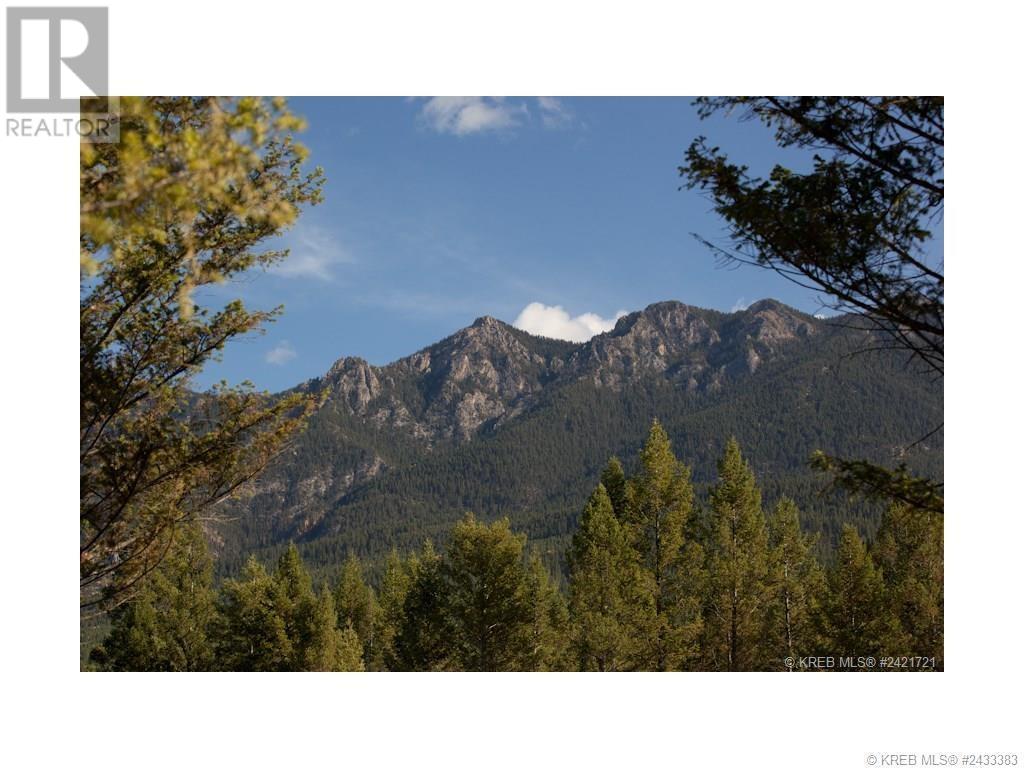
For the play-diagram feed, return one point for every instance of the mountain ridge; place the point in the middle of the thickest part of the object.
(495, 420)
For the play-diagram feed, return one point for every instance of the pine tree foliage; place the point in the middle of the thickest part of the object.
(388, 619)
(859, 621)
(329, 648)
(664, 586)
(908, 550)
(856, 227)
(253, 633)
(350, 651)
(740, 583)
(357, 605)
(793, 617)
(547, 648)
(424, 638)
(166, 626)
(488, 596)
(606, 594)
(613, 478)
(659, 505)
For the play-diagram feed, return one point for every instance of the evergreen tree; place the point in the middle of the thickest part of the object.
(424, 639)
(276, 623)
(793, 619)
(739, 569)
(331, 649)
(548, 642)
(605, 590)
(660, 501)
(356, 604)
(859, 622)
(388, 618)
(165, 627)
(296, 602)
(253, 633)
(350, 651)
(908, 549)
(487, 596)
(134, 643)
(613, 478)
(855, 226)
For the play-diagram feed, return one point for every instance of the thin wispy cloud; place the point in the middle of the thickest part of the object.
(464, 115)
(282, 353)
(553, 113)
(315, 253)
(555, 323)
(740, 305)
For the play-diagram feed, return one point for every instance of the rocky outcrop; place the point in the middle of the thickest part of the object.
(481, 376)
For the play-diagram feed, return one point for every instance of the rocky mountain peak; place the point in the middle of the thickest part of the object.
(486, 321)
(489, 372)
(770, 321)
(355, 380)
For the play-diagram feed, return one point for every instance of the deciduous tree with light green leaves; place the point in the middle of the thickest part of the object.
(185, 199)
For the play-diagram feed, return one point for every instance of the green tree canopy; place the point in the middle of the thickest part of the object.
(855, 226)
(859, 621)
(183, 200)
(659, 505)
(909, 551)
(357, 605)
(740, 583)
(607, 595)
(793, 618)
(166, 625)
(488, 596)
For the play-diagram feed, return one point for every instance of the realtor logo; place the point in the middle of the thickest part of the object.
(55, 56)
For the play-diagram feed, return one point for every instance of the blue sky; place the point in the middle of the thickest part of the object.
(439, 211)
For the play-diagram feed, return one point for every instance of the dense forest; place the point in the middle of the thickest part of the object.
(656, 581)
(467, 488)
(537, 465)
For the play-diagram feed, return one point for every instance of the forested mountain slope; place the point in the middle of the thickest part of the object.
(499, 422)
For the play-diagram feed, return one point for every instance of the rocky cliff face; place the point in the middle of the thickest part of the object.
(483, 377)
(488, 373)
(494, 420)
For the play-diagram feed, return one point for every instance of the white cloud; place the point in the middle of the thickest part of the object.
(463, 115)
(282, 353)
(740, 305)
(314, 252)
(554, 322)
(553, 113)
